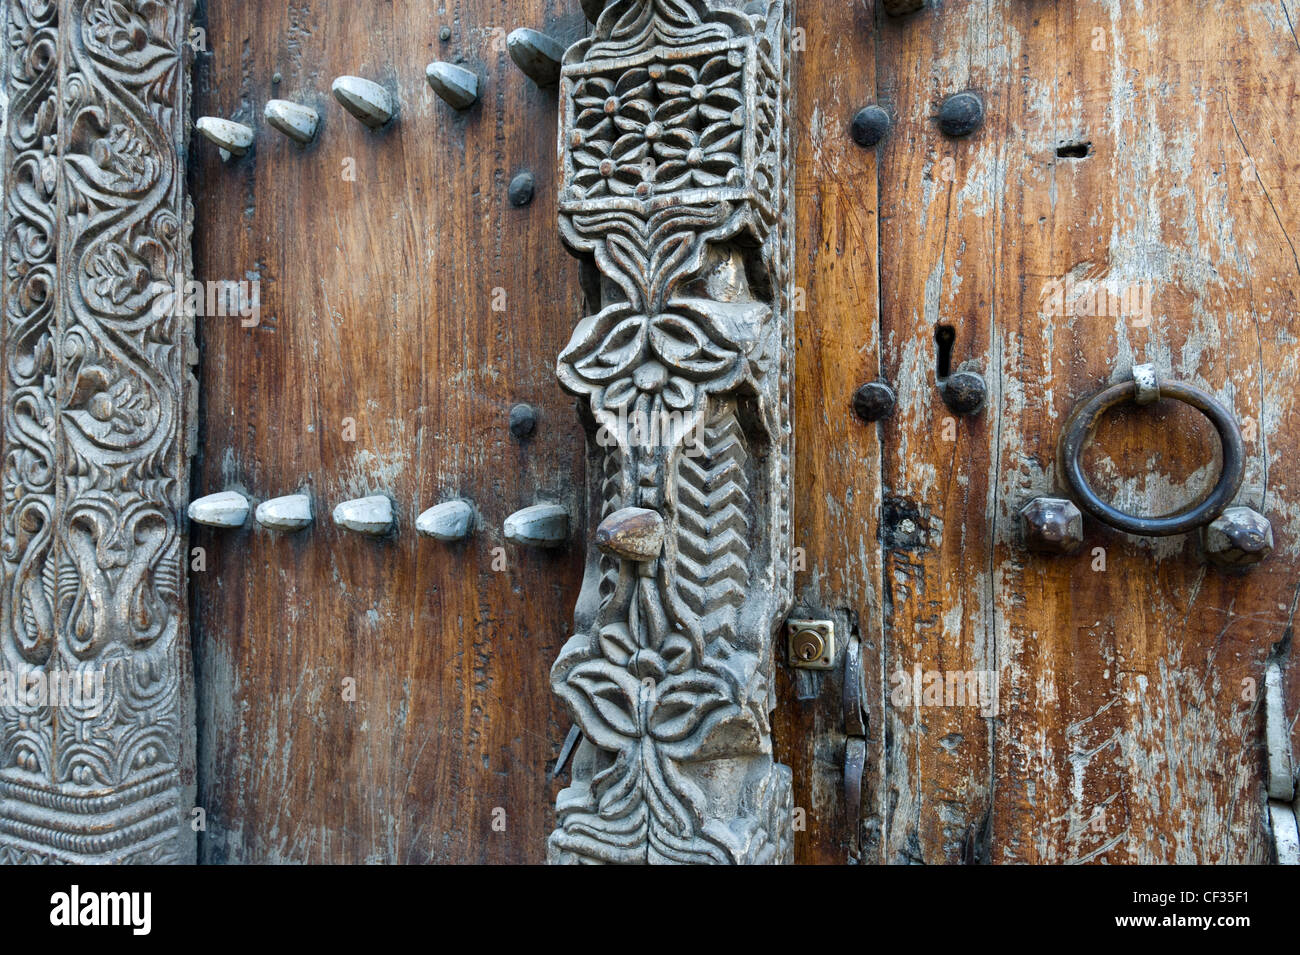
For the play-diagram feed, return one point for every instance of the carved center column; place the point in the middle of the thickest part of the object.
(96, 721)
(676, 156)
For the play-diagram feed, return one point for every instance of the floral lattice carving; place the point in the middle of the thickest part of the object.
(675, 154)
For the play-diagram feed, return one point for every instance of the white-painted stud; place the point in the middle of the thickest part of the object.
(1277, 737)
(455, 84)
(448, 521)
(536, 54)
(367, 101)
(233, 138)
(297, 122)
(366, 515)
(223, 509)
(289, 513)
(542, 525)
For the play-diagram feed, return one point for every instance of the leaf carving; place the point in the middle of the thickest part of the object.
(672, 175)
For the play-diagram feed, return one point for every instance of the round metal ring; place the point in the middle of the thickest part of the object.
(1082, 423)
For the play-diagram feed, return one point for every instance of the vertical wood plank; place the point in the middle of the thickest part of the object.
(939, 202)
(836, 479)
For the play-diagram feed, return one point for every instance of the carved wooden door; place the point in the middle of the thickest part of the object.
(718, 487)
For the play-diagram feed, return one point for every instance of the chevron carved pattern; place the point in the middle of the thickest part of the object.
(676, 150)
(713, 509)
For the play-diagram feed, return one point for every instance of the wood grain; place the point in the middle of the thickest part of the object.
(1125, 729)
(938, 268)
(377, 303)
(836, 479)
(1123, 734)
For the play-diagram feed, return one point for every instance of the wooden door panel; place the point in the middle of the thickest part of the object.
(377, 302)
(937, 264)
(836, 480)
(1124, 733)
(1144, 151)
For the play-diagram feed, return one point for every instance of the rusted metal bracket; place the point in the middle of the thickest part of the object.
(855, 729)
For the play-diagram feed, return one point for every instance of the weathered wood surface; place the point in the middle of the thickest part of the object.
(1123, 734)
(377, 305)
(836, 473)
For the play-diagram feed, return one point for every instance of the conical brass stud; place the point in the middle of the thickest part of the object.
(372, 516)
(448, 521)
(226, 509)
(289, 513)
(455, 84)
(542, 525)
(233, 138)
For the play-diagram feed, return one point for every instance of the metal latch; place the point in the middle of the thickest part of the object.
(811, 643)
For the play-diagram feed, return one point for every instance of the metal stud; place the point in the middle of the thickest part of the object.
(1053, 525)
(523, 420)
(289, 513)
(964, 392)
(869, 126)
(455, 84)
(961, 114)
(1239, 537)
(542, 525)
(874, 400)
(296, 121)
(367, 101)
(233, 138)
(372, 515)
(536, 54)
(223, 509)
(521, 189)
(448, 521)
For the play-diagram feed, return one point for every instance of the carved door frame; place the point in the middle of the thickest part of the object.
(99, 398)
(675, 192)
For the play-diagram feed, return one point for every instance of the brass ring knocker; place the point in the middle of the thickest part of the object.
(1144, 388)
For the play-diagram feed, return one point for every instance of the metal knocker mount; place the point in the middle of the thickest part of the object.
(1234, 535)
(1145, 388)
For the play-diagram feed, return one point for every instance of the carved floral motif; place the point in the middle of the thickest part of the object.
(96, 396)
(674, 150)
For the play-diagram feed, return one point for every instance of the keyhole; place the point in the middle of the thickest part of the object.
(944, 336)
(963, 392)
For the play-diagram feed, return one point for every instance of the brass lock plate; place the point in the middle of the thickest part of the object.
(811, 643)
